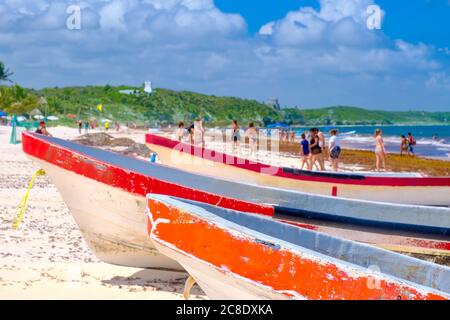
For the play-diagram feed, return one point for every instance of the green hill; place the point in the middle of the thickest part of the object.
(165, 107)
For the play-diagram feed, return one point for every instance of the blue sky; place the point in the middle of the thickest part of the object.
(308, 53)
(418, 20)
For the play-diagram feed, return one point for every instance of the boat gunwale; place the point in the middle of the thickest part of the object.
(268, 209)
(258, 167)
(200, 211)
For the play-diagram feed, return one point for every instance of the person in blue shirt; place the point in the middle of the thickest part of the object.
(305, 153)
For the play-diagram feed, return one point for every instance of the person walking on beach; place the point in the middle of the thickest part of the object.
(80, 126)
(411, 144)
(404, 145)
(252, 135)
(316, 149)
(236, 134)
(117, 126)
(323, 146)
(292, 136)
(42, 129)
(86, 126)
(180, 132)
(199, 133)
(106, 125)
(334, 149)
(191, 133)
(305, 153)
(380, 151)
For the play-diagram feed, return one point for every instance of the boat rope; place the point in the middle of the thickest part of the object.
(188, 286)
(20, 210)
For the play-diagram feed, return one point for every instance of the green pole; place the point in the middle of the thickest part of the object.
(13, 139)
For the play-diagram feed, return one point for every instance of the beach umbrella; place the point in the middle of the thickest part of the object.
(21, 119)
(106, 120)
(3, 114)
(52, 118)
(38, 117)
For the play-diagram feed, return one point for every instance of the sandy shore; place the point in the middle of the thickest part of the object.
(47, 258)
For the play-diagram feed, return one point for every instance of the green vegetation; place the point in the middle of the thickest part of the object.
(166, 107)
(17, 100)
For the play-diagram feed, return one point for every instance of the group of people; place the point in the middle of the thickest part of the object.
(195, 132)
(408, 144)
(314, 150)
(251, 134)
(86, 124)
(91, 125)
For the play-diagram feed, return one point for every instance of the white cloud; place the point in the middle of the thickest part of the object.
(312, 57)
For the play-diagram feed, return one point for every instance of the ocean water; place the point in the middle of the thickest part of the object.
(362, 137)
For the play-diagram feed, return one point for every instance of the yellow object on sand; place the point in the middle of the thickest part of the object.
(23, 204)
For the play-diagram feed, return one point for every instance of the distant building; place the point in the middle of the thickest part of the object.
(128, 92)
(273, 103)
(147, 89)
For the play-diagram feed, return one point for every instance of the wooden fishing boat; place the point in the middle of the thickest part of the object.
(105, 193)
(235, 255)
(431, 191)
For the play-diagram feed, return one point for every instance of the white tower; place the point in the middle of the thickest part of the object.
(148, 87)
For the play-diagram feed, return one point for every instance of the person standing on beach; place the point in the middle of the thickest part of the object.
(180, 132)
(80, 126)
(305, 153)
(316, 149)
(403, 146)
(334, 149)
(106, 125)
(86, 126)
(252, 135)
(292, 136)
(411, 143)
(199, 133)
(236, 135)
(380, 151)
(323, 146)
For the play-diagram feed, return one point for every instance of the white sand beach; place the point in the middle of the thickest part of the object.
(47, 258)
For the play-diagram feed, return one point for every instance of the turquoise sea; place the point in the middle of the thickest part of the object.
(362, 137)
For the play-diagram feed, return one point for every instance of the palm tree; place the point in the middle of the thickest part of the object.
(5, 73)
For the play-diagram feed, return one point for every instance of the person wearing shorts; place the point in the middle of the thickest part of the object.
(305, 153)
(334, 149)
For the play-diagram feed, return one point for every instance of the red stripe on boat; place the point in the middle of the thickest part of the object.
(246, 164)
(130, 181)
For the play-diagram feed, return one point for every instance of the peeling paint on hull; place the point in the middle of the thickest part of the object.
(231, 260)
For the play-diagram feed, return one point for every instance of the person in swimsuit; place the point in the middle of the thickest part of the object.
(411, 144)
(42, 129)
(380, 151)
(323, 146)
(316, 150)
(199, 133)
(252, 135)
(180, 132)
(292, 136)
(403, 146)
(236, 135)
(305, 153)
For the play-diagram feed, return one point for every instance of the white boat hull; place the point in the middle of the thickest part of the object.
(219, 285)
(112, 221)
(415, 195)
